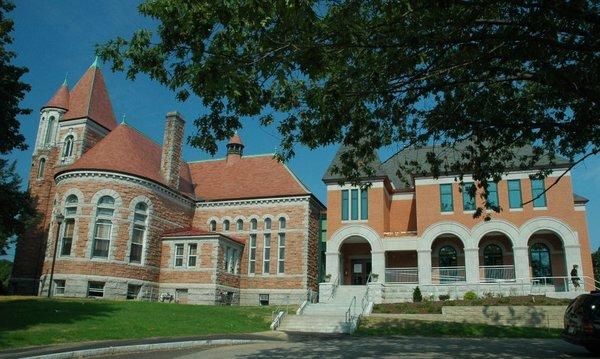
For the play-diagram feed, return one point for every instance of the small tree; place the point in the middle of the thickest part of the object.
(417, 296)
(596, 264)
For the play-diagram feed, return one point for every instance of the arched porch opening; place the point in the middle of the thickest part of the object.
(356, 260)
(496, 258)
(447, 259)
(547, 263)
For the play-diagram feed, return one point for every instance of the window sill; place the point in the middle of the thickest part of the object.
(515, 209)
(540, 208)
(470, 211)
(447, 213)
(355, 221)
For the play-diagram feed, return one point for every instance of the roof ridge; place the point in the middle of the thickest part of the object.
(89, 100)
(225, 158)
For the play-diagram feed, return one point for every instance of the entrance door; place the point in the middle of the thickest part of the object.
(361, 268)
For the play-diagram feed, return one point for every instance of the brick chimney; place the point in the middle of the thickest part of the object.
(170, 161)
(235, 149)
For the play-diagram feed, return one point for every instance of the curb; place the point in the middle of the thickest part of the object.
(145, 347)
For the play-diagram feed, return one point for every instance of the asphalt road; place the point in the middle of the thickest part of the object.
(379, 347)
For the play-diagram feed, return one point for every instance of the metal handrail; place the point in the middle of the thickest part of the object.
(276, 317)
(334, 286)
(349, 312)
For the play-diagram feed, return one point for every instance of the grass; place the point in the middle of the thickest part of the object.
(389, 327)
(435, 307)
(27, 321)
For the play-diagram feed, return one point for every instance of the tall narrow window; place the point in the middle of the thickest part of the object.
(354, 204)
(50, 131)
(253, 224)
(537, 189)
(192, 254)
(281, 253)
(468, 198)
(71, 205)
(178, 255)
(282, 223)
(492, 199)
(68, 146)
(364, 204)
(227, 258)
(240, 225)
(514, 194)
(267, 253)
(213, 225)
(268, 223)
(41, 168)
(234, 262)
(446, 203)
(138, 234)
(102, 232)
(69, 226)
(345, 207)
(226, 225)
(252, 254)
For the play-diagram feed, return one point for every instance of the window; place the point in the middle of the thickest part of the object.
(492, 199)
(467, 197)
(253, 224)
(537, 189)
(263, 299)
(233, 269)
(95, 289)
(541, 265)
(281, 253)
(492, 255)
(71, 205)
(59, 286)
(226, 259)
(514, 194)
(226, 225)
(354, 204)
(192, 254)
(102, 232)
(267, 223)
(50, 131)
(179, 255)
(252, 253)
(448, 257)
(213, 225)
(345, 208)
(282, 223)
(138, 234)
(41, 168)
(133, 291)
(68, 146)
(266, 253)
(240, 225)
(446, 203)
(364, 204)
(67, 239)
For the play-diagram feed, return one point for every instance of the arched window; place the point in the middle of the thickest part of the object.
(226, 225)
(282, 223)
(68, 146)
(138, 235)
(253, 224)
(448, 257)
(69, 225)
(102, 232)
(268, 223)
(541, 264)
(213, 225)
(240, 225)
(492, 255)
(50, 130)
(41, 168)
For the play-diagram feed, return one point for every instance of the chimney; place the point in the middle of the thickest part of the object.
(235, 149)
(170, 161)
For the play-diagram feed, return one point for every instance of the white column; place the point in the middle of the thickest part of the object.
(332, 265)
(573, 257)
(378, 265)
(472, 265)
(424, 265)
(521, 259)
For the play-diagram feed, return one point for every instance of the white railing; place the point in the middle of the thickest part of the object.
(448, 274)
(402, 275)
(497, 273)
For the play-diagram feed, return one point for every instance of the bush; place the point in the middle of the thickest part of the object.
(417, 296)
(470, 295)
(444, 297)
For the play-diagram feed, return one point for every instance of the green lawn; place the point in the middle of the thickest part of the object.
(378, 326)
(27, 321)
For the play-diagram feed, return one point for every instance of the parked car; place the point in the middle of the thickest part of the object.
(582, 322)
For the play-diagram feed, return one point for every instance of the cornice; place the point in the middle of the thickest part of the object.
(253, 201)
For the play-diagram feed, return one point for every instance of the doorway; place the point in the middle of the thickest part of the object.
(360, 270)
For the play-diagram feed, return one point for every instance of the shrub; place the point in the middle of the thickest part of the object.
(417, 296)
(444, 297)
(470, 295)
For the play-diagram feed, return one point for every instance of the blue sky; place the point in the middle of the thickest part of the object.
(53, 38)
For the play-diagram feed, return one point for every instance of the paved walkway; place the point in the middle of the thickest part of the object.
(379, 347)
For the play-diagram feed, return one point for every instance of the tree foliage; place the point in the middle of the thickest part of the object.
(488, 76)
(596, 264)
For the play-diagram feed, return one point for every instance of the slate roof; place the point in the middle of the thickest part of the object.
(579, 199)
(60, 99)
(195, 232)
(330, 176)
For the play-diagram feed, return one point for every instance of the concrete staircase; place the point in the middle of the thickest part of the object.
(328, 316)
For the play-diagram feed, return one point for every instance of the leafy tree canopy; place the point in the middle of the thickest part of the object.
(497, 74)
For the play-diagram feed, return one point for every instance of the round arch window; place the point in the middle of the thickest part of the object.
(492, 255)
(448, 257)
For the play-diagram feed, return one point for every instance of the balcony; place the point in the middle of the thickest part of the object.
(402, 275)
(444, 275)
(502, 273)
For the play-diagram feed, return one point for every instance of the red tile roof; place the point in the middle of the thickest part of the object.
(60, 98)
(195, 232)
(126, 150)
(248, 177)
(89, 98)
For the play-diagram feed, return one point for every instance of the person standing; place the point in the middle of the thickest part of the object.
(574, 277)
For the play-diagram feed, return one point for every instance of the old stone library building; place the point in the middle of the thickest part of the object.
(124, 217)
